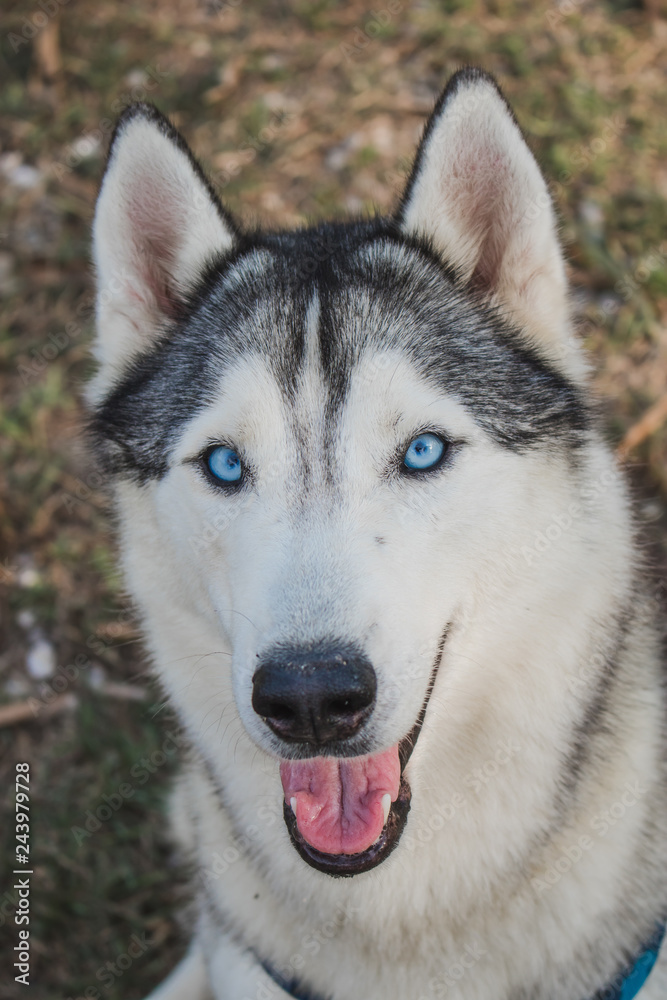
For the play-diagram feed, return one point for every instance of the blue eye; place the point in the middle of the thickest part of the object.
(224, 464)
(424, 452)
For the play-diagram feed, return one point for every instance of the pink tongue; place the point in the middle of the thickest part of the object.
(339, 799)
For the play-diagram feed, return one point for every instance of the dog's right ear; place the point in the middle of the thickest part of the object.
(477, 194)
(157, 225)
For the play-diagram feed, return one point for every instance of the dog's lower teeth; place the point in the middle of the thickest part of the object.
(292, 803)
(386, 805)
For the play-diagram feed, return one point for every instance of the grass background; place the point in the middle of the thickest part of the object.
(298, 110)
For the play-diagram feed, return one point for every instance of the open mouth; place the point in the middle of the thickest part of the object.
(346, 815)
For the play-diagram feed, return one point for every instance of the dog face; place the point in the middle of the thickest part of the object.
(328, 445)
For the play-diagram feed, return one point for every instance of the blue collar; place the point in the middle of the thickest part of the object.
(625, 985)
(292, 986)
(631, 978)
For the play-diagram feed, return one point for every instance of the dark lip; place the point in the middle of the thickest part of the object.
(347, 865)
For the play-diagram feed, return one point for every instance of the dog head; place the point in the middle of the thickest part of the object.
(328, 445)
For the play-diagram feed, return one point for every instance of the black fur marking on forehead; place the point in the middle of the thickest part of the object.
(377, 290)
(399, 297)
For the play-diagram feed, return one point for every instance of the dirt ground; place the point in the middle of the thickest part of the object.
(298, 111)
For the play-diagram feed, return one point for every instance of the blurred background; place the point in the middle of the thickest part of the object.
(298, 111)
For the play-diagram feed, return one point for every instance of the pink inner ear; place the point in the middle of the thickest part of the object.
(155, 225)
(486, 210)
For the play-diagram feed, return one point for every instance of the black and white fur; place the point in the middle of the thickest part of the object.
(319, 353)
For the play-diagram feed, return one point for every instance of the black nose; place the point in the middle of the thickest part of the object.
(314, 696)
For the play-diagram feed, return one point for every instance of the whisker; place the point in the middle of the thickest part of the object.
(235, 612)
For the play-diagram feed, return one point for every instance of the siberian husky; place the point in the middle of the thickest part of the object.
(389, 577)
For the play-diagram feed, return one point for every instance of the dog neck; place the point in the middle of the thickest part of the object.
(629, 981)
(625, 986)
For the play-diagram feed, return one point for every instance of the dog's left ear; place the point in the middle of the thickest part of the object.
(157, 226)
(477, 194)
